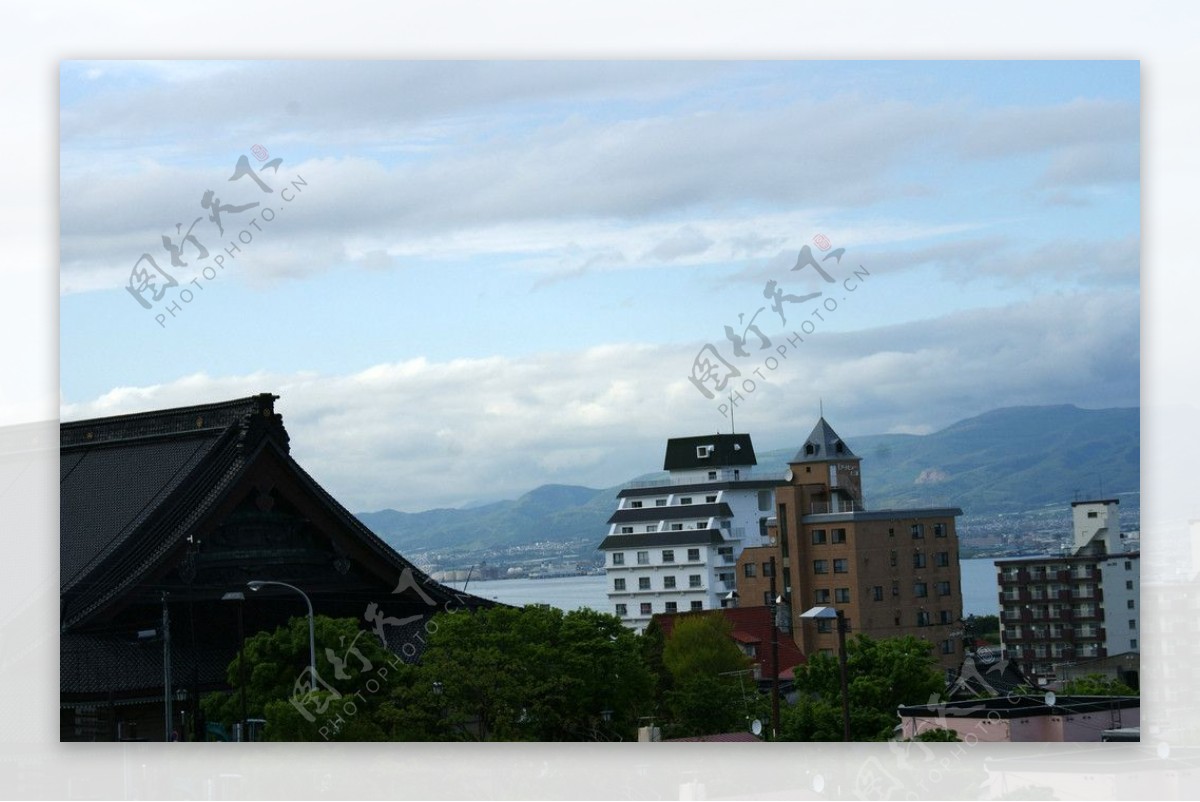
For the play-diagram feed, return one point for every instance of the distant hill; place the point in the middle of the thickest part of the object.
(1004, 461)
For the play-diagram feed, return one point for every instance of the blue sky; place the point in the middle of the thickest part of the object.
(498, 274)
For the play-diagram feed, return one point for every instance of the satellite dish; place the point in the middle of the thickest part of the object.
(1050, 698)
(756, 727)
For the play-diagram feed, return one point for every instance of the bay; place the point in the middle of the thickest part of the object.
(575, 592)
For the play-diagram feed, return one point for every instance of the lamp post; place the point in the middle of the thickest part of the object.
(240, 598)
(828, 613)
(312, 639)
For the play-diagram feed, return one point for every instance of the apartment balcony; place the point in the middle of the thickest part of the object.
(839, 505)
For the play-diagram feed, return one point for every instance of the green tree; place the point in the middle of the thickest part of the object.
(984, 627)
(536, 673)
(882, 675)
(277, 661)
(1097, 685)
(937, 735)
(711, 689)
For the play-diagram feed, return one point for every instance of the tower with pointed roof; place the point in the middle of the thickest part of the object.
(891, 572)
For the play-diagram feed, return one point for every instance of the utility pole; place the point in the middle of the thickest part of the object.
(166, 623)
(774, 656)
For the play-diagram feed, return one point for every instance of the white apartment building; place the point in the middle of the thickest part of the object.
(673, 545)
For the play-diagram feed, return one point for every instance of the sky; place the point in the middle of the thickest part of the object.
(468, 279)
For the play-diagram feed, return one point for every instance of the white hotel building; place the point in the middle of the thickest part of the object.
(672, 545)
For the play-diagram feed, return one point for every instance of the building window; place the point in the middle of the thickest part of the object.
(668, 555)
(818, 537)
(1129, 604)
(841, 566)
(749, 570)
(710, 499)
(877, 592)
(838, 536)
(697, 605)
(643, 558)
(702, 452)
(643, 583)
(637, 505)
(660, 502)
(920, 590)
(820, 566)
(651, 528)
(943, 588)
(922, 618)
(672, 607)
(618, 558)
(694, 581)
(685, 500)
(824, 625)
(622, 610)
(895, 588)
(1129, 565)
(944, 617)
(1133, 623)
(1133, 643)
(939, 530)
(693, 555)
(943, 559)
(948, 646)
(619, 583)
(842, 595)
(712, 474)
(626, 530)
(669, 582)
(918, 531)
(766, 570)
(646, 608)
(676, 527)
(764, 500)
(893, 559)
(1128, 584)
(821, 596)
(918, 560)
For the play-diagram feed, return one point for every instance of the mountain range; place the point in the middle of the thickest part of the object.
(1005, 461)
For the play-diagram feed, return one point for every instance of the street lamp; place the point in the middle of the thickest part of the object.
(240, 598)
(827, 613)
(312, 639)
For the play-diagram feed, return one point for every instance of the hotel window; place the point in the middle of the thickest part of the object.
(676, 527)
(820, 566)
(749, 570)
(821, 596)
(764, 500)
(920, 590)
(766, 570)
(626, 530)
(646, 608)
(637, 505)
(712, 474)
(643, 558)
(944, 617)
(668, 555)
(1133, 623)
(619, 583)
(838, 536)
(672, 607)
(842, 595)
(697, 605)
(1133, 643)
(922, 618)
(939, 530)
(841, 566)
(1129, 604)
(1129, 565)
(943, 559)
(710, 499)
(622, 610)
(685, 500)
(877, 592)
(918, 560)
(1128, 584)
(818, 537)
(651, 528)
(693, 555)
(643, 583)
(618, 558)
(668, 583)
(943, 588)
(918, 531)
(660, 502)
(694, 580)
(824, 625)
